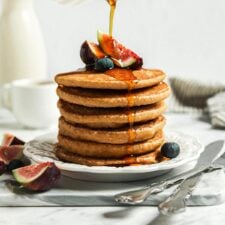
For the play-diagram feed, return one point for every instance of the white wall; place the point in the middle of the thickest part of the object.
(182, 37)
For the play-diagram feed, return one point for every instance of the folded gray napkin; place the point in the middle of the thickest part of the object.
(198, 97)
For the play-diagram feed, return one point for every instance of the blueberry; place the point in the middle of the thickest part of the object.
(15, 164)
(170, 150)
(2, 167)
(103, 64)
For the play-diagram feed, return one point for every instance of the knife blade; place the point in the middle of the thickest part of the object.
(140, 195)
(176, 203)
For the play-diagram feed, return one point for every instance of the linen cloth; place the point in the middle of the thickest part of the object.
(193, 96)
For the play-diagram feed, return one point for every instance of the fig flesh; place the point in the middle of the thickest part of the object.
(121, 56)
(9, 153)
(40, 177)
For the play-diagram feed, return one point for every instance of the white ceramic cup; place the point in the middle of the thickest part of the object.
(33, 102)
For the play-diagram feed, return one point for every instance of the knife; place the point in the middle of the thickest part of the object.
(210, 152)
(176, 203)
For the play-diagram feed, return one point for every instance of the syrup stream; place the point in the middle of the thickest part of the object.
(112, 4)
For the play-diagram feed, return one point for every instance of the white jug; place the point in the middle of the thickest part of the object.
(22, 49)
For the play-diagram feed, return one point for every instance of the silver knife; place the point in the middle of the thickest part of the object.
(176, 203)
(210, 152)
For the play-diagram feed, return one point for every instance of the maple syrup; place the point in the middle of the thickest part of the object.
(112, 4)
(127, 76)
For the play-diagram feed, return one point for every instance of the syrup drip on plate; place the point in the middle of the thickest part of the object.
(128, 77)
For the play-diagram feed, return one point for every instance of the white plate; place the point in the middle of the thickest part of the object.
(41, 149)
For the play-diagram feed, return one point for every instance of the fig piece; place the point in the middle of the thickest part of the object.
(7, 139)
(40, 177)
(9, 153)
(121, 56)
(90, 52)
(10, 139)
(2, 168)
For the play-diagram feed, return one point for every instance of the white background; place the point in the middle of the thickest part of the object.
(182, 37)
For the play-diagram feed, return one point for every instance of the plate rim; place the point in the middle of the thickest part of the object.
(72, 167)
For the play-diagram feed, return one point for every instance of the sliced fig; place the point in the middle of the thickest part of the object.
(2, 168)
(9, 153)
(7, 139)
(90, 52)
(10, 139)
(120, 55)
(17, 141)
(40, 177)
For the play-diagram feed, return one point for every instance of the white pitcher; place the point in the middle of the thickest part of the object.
(22, 49)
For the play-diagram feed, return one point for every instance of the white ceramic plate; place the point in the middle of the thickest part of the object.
(41, 149)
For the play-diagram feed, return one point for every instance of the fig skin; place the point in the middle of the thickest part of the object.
(2, 168)
(90, 52)
(45, 181)
(17, 141)
(10, 139)
(137, 65)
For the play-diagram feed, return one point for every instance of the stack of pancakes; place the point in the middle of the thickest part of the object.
(112, 118)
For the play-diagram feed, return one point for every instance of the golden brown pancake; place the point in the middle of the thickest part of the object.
(112, 98)
(112, 118)
(89, 79)
(102, 150)
(140, 132)
(109, 117)
(149, 158)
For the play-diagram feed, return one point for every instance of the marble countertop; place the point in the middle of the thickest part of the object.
(193, 125)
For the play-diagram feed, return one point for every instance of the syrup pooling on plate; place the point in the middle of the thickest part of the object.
(128, 77)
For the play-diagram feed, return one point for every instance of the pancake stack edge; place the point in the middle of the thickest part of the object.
(111, 125)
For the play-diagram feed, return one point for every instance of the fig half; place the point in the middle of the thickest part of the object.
(9, 153)
(121, 56)
(10, 139)
(40, 177)
(90, 52)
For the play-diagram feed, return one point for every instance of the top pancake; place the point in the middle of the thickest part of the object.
(88, 79)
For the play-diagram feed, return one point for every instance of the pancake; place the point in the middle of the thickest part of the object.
(113, 117)
(110, 98)
(141, 132)
(89, 79)
(101, 150)
(149, 158)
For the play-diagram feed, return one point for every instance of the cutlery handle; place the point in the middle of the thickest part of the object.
(176, 203)
(140, 195)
